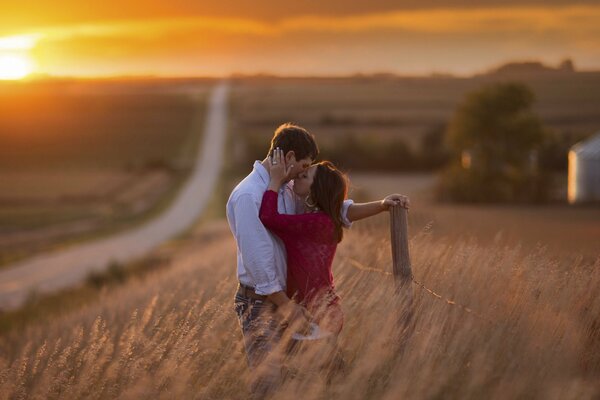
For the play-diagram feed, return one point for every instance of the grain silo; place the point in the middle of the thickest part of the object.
(584, 171)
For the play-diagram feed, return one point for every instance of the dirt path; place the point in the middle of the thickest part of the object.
(63, 268)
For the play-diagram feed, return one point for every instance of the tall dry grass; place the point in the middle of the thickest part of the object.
(174, 334)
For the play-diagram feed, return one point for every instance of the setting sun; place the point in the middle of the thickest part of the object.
(13, 66)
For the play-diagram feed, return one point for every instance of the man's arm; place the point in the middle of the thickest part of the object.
(357, 211)
(256, 246)
(257, 252)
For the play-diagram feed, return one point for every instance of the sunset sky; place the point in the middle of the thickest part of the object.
(201, 38)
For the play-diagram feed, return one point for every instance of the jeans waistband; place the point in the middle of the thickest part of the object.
(248, 291)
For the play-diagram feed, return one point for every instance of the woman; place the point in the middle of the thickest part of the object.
(310, 238)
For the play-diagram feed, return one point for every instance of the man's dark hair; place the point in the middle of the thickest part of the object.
(290, 137)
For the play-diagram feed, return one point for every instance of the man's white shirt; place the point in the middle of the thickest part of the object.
(261, 257)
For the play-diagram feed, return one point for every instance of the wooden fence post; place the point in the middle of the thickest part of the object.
(401, 265)
(400, 256)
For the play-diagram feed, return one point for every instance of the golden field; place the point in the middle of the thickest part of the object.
(512, 310)
(532, 332)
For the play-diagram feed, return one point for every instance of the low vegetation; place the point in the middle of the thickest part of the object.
(387, 123)
(491, 318)
(532, 331)
(495, 139)
(83, 159)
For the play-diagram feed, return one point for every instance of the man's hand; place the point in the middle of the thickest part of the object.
(395, 200)
(294, 316)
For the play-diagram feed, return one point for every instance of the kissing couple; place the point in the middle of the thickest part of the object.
(288, 216)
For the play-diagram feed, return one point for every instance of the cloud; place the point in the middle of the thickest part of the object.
(461, 39)
(566, 19)
(23, 15)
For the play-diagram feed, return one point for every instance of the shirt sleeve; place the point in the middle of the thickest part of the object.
(256, 246)
(345, 207)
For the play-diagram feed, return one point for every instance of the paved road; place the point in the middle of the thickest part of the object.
(63, 268)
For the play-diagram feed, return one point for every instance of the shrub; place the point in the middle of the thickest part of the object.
(502, 136)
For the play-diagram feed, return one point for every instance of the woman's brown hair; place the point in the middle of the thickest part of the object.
(328, 192)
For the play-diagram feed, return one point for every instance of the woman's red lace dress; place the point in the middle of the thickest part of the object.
(310, 243)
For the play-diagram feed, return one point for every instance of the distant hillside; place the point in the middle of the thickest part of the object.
(532, 67)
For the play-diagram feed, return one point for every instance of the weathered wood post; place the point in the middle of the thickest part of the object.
(401, 265)
(400, 256)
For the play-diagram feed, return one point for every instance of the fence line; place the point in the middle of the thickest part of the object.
(356, 264)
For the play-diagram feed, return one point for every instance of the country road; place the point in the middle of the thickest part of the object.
(59, 269)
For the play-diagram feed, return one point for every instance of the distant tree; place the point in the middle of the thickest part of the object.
(566, 65)
(494, 138)
(433, 153)
(554, 154)
(364, 153)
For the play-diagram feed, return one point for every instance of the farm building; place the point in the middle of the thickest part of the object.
(584, 171)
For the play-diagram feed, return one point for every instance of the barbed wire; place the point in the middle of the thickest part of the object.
(356, 264)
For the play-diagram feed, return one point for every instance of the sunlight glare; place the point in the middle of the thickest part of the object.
(13, 66)
(19, 42)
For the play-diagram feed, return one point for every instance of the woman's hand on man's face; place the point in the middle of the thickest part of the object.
(279, 171)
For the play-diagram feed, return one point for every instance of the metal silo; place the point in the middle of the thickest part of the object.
(584, 171)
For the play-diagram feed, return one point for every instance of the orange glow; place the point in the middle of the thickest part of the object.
(432, 20)
(456, 40)
(456, 20)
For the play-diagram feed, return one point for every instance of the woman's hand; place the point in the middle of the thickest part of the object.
(278, 170)
(294, 316)
(364, 210)
(395, 200)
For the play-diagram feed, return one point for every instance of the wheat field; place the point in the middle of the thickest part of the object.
(511, 322)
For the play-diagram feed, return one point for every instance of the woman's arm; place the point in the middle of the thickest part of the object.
(365, 210)
(283, 224)
(270, 216)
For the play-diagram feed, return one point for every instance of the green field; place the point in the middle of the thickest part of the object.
(80, 159)
(396, 116)
(89, 125)
(561, 230)
(402, 105)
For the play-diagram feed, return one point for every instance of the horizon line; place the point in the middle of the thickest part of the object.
(240, 75)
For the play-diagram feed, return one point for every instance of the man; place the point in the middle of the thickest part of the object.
(261, 303)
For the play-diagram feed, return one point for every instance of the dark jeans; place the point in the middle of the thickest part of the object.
(266, 351)
(262, 335)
